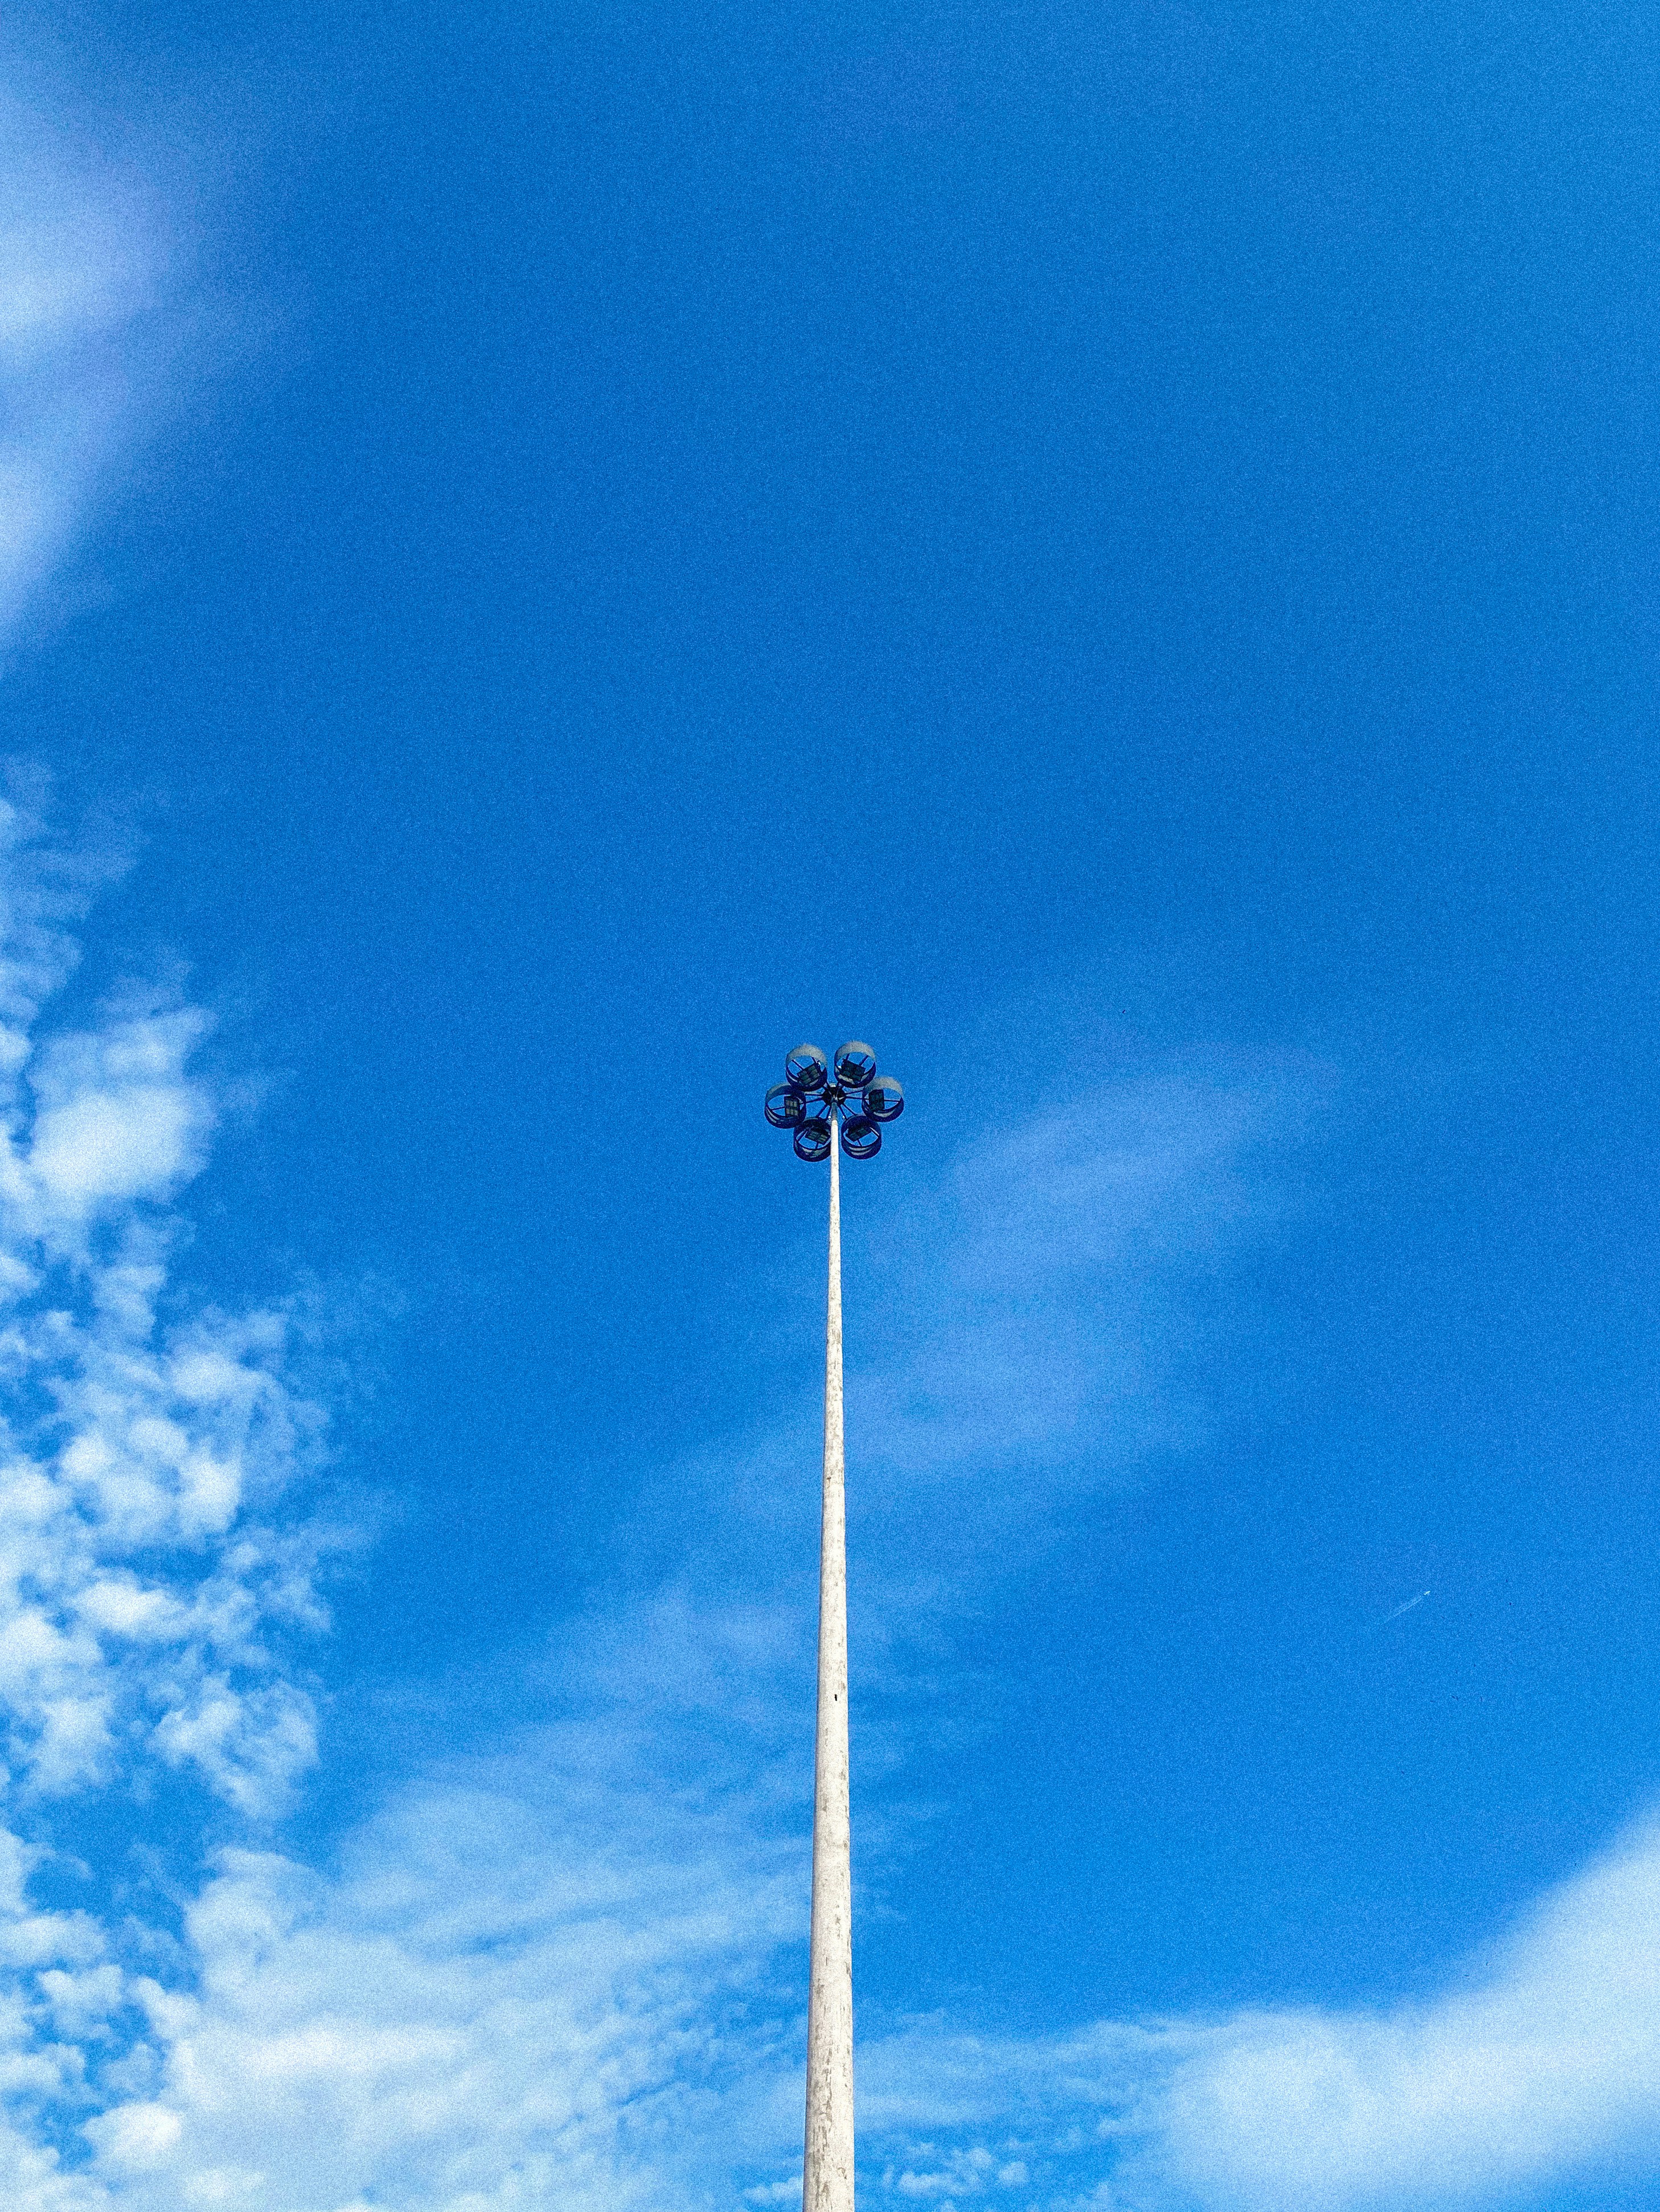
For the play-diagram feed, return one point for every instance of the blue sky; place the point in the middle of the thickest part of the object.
(546, 555)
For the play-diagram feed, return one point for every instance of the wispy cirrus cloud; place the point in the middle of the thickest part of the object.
(94, 325)
(1035, 1314)
(1030, 1326)
(512, 1995)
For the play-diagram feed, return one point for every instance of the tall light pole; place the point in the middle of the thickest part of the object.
(818, 1102)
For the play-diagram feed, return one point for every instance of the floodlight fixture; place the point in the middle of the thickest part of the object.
(819, 1097)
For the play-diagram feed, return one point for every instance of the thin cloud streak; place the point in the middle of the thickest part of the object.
(1410, 1606)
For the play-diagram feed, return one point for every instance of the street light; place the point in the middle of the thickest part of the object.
(816, 1099)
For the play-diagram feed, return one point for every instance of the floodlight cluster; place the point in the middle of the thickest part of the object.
(818, 1095)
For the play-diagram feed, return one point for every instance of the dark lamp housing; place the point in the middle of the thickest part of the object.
(787, 1106)
(813, 1139)
(856, 1066)
(807, 1070)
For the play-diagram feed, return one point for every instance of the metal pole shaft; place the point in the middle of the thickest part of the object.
(828, 2183)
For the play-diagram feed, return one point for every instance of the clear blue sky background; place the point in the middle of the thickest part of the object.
(547, 553)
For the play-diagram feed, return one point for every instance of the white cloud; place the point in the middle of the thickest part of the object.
(114, 1122)
(1546, 2061)
(545, 1982)
(507, 1999)
(1540, 2065)
(141, 1577)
